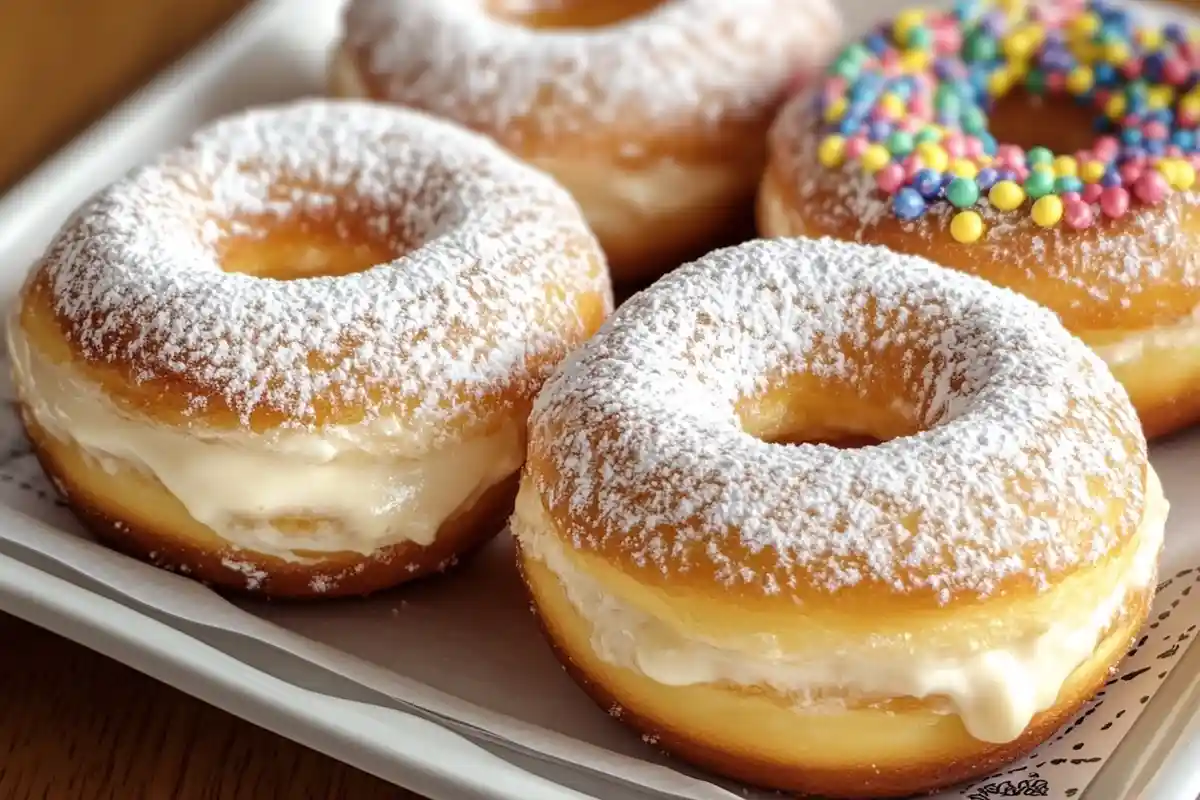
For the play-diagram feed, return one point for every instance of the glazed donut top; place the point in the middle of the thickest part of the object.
(491, 258)
(681, 70)
(909, 105)
(1026, 460)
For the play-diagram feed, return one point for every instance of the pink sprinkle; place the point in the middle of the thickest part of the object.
(890, 178)
(1056, 82)
(947, 38)
(1084, 156)
(910, 124)
(920, 107)
(1130, 172)
(1131, 121)
(1194, 160)
(955, 145)
(1010, 155)
(1092, 192)
(1155, 130)
(1070, 197)
(855, 146)
(1114, 202)
(1106, 148)
(1021, 172)
(1174, 151)
(974, 146)
(1151, 187)
(1078, 215)
(890, 60)
(912, 165)
(1175, 71)
(1132, 68)
(1101, 97)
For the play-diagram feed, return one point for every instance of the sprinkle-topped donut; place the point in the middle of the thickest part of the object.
(1049, 147)
(909, 104)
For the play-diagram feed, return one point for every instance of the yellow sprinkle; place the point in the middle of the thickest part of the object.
(916, 62)
(1085, 26)
(966, 227)
(1116, 53)
(1092, 171)
(1087, 51)
(933, 156)
(905, 22)
(1006, 195)
(1159, 97)
(1152, 38)
(964, 168)
(836, 110)
(1066, 166)
(1019, 45)
(893, 105)
(1115, 108)
(1167, 167)
(1000, 82)
(1184, 177)
(1190, 104)
(1080, 80)
(832, 151)
(1047, 211)
(874, 158)
(983, 159)
(1019, 69)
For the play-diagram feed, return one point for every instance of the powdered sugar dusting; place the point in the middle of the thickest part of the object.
(691, 63)
(1026, 443)
(135, 273)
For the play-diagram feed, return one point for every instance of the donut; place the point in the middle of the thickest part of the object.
(1048, 148)
(653, 113)
(295, 356)
(715, 566)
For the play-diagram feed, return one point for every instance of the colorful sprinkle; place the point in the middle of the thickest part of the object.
(908, 204)
(832, 151)
(1047, 211)
(966, 227)
(1114, 202)
(963, 192)
(1006, 196)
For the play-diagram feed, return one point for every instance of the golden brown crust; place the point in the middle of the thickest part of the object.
(843, 768)
(1083, 276)
(172, 540)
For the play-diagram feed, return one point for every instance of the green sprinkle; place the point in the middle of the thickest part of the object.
(1039, 183)
(963, 192)
(1039, 155)
(901, 143)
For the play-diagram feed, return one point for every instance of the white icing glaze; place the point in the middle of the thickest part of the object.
(686, 64)
(1026, 444)
(465, 311)
(995, 691)
(236, 482)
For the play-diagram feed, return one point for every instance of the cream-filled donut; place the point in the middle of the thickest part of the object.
(295, 356)
(875, 621)
(653, 113)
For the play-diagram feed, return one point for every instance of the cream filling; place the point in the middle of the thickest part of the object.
(996, 692)
(612, 199)
(1179, 335)
(236, 482)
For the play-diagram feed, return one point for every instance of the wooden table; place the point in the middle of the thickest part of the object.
(75, 725)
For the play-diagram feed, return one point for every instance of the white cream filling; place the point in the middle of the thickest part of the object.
(612, 199)
(350, 478)
(1182, 334)
(996, 692)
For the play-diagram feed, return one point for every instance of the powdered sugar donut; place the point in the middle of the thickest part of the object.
(850, 622)
(295, 356)
(652, 112)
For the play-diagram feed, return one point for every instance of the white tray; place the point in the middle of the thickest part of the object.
(446, 687)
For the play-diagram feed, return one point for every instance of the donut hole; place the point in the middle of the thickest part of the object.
(570, 14)
(800, 411)
(1055, 122)
(306, 247)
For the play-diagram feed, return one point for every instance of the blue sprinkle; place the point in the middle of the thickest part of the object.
(908, 204)
(1174, 32)
(879, 130)
(1131, 153)
(849, 125)
(989, 143)
(1156, 147)
(987, 178)
(1068, 183)
(928, 182)
(1152, 67)
(1104, 74)
(1111, 177)
(877, 44)
(1131, 136)
(1185, 139)
(1164, 115)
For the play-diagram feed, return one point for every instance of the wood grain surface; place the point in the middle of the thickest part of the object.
(75, 725)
